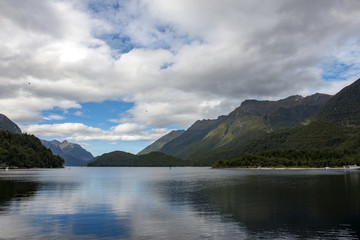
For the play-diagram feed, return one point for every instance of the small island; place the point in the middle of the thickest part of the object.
(125, 159)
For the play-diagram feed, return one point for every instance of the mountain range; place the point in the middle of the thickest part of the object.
(302, 128)
(255, 121)
(73, 154)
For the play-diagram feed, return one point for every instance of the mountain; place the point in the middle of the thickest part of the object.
(331, 138)
(297, 114)
(251, 119)
(7, 125)
(73, 154)
(344, 108)
(158, 144)
(125, 159)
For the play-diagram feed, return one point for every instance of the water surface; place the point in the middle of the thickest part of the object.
(179, 203)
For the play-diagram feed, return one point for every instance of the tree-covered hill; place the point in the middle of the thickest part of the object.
(26, 151)
(124, 159)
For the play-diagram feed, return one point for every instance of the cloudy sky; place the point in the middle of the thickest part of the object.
(118, 74)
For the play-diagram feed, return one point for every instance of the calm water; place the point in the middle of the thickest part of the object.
(179, 203)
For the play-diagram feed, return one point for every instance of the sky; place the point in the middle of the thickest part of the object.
(119, 74)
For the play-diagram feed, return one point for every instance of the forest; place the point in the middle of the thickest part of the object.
(318, 144)
(294, 158)
(124, 159)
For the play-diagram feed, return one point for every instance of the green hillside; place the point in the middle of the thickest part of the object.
(232, 131)
(331, 139)
(124, 159)
(183, 145)
(26, 151)
(318, 144)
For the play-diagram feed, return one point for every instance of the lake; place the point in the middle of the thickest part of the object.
(179, 203)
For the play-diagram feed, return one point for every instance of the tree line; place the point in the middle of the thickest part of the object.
(316, 158)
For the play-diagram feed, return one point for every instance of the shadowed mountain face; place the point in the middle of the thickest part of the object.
(73, 154)
(252, 119)
(7, 125)
(344, 108)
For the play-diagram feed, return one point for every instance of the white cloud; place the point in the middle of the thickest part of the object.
(54, 117)
(78, 113)
(128, 128)
(186, 60)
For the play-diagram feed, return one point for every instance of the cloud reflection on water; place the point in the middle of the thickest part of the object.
(182, 203)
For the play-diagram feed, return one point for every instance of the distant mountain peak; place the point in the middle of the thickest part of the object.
(73, 153)
(55, 142)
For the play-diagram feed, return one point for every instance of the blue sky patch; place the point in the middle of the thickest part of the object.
(335, 71)
(166, 65)
(118, 42)
(100, 115)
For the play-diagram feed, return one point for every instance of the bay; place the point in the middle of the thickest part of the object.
(179, 203)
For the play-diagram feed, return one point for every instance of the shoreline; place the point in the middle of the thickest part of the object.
(287, 168)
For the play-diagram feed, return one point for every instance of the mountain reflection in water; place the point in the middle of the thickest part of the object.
(181, 203)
